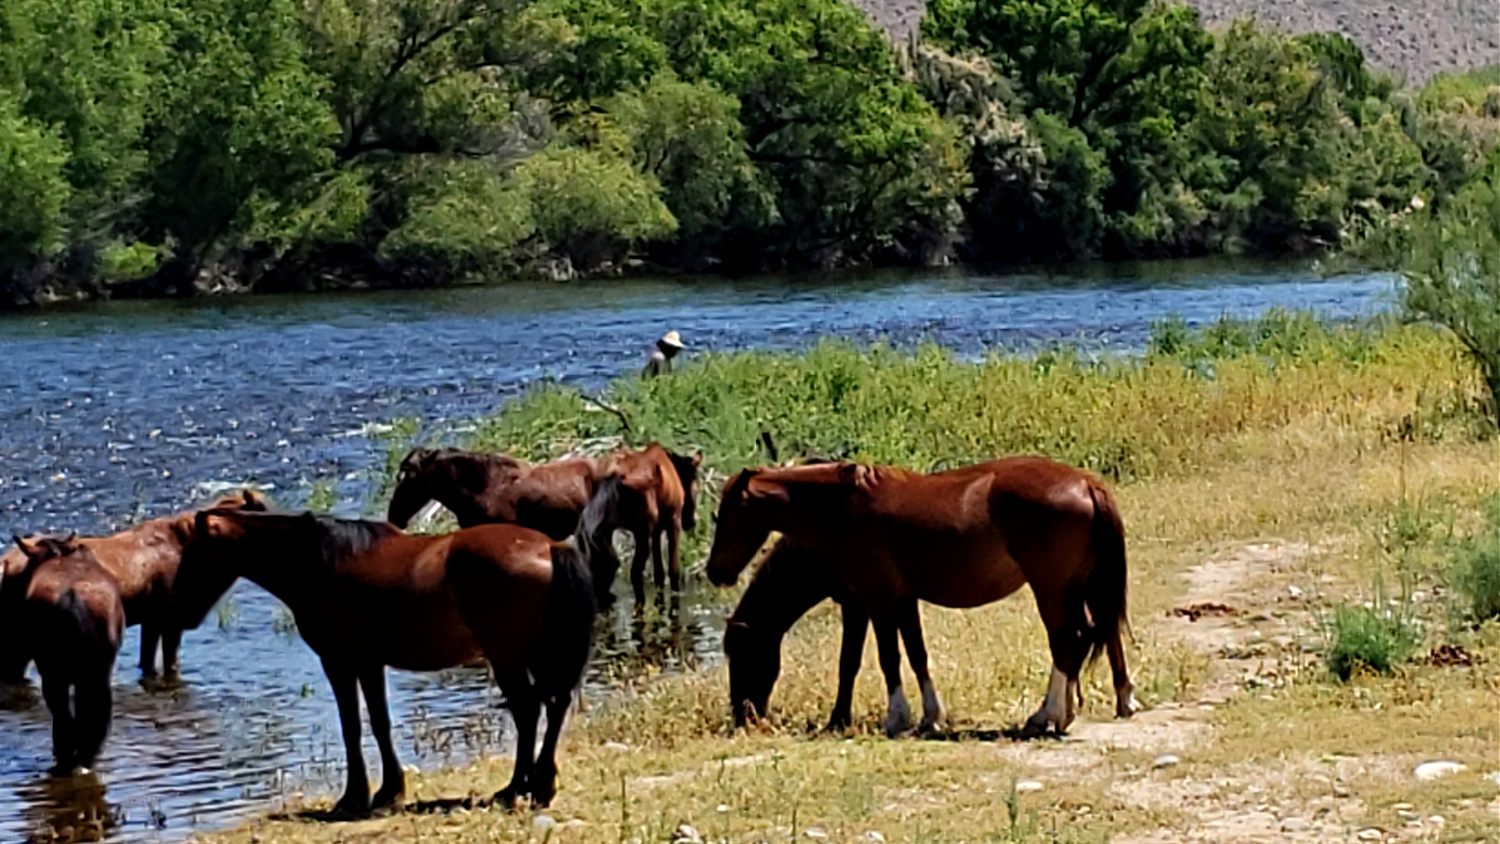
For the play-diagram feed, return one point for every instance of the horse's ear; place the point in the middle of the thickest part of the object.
(200, 525)
(28, 548)
(252, 500)
(697, 459)
(849, 474)
(739, 485)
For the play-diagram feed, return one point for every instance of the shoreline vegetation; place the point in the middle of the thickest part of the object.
(1313, 519)
(187, 147)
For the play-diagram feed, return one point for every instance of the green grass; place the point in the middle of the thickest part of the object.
(1376, 638)
(1476, 570)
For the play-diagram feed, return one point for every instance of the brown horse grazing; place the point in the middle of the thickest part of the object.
(72, 611)
(366, 595)
(665, 487)
(960, 538)
(496, 488)
(790, 581)
(144, 560)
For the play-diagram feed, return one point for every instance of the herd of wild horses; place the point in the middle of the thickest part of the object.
(518, 585)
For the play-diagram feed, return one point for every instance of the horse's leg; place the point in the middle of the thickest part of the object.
(521, 699)
(149, 636)
(13, 661)
(851, 654)
(916, 654)
(171, 643)
(674, 559)
(392, 778)
(658, 571)
(1068, 650)
(544, 778)
(55, 693)
(898, 713)
(356, 799)
(92, 702)
(1125, 703)
(638, 564)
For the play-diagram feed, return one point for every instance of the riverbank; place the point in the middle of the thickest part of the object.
(1268, 474)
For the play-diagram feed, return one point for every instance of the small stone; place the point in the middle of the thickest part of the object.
(1028, 786)
(873, 837)
(543, 822)
(1166, 760)
(1295, 592)
(1340, 790)
(1294, 825)
(1437, 820)
(1370, 834)
(722, 807)
(1494, 777)
(816, 833)
(1402, 807)
(686, 834)
(617, 747)
(1428, 771)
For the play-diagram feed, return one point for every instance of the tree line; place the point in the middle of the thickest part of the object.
(151, 147)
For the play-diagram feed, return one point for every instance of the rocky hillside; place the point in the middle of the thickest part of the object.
(1416, 39)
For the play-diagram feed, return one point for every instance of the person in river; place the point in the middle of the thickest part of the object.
(660, 361)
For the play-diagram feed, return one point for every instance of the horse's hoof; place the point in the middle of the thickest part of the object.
(350, 808)
(506, 797)
(837, 724)
(386, 799)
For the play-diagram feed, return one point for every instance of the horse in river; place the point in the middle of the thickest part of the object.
(960, 538)
(71, 609)
(496, 488)
(366, 595)
(144, 560)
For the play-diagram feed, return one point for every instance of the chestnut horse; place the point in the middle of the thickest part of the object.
(366, 595)
(143, 559)
(75, 619)
(961, 538)
(490, 488)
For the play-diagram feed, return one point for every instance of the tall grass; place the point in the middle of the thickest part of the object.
(1477, 567)
(1183, 404)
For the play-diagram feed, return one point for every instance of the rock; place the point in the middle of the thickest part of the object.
(1295, 825)
(543, 822)
(1402, 807)
(816, 833)
(1437, 820)
(1027, 786)
(1166, 760)
(1428, 771)
(686, 834)
(1370, 834)
(1494, 777)
(873, 837)
(617, 747)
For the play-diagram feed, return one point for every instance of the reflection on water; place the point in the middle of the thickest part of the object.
(116, 411)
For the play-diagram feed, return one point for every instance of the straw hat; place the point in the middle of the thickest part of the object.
(673, 339)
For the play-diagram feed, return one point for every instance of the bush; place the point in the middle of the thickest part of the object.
(1477, 569)
(1375, 638)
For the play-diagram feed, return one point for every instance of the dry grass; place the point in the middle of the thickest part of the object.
(1278, 521)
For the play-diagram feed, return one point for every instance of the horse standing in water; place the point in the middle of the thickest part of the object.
(366, 595)
(74, 617)
(143, 560)
(496, 488)
(961, 538)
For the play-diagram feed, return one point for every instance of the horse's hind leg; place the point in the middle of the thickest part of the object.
(92, 704)
(392, 778)
(1064, 628)
(150, 634)
(674, 559)
(898, 713)
(356, 799)
(638, 564)
(55, 691)
(521, 699)
(658, 571)
(851, 654)
(916, 654)
(1125, 703)
(544, 778)
(171, 643)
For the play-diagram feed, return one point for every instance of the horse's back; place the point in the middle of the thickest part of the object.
(75, 610)
(501, 576)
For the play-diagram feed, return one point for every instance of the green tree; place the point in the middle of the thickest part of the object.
(34, 190)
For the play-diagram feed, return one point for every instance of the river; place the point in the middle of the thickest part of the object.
(114, 411)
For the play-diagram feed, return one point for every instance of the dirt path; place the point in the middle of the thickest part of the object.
(1246, 614)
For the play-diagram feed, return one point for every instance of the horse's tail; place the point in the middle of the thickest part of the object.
(1105, 588)
(572, 606)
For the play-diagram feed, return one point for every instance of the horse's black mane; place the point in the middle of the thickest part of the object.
(344, 538)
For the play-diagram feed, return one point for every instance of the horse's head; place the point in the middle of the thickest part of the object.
(687, 472)
(211, 563)
(740, 529)
(414, 486)
(754, 664)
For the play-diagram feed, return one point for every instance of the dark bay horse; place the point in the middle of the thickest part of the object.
(496, 488)
(366, 595)
(961, 538)
(144, 560)
(790, 581)
(75, 619)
